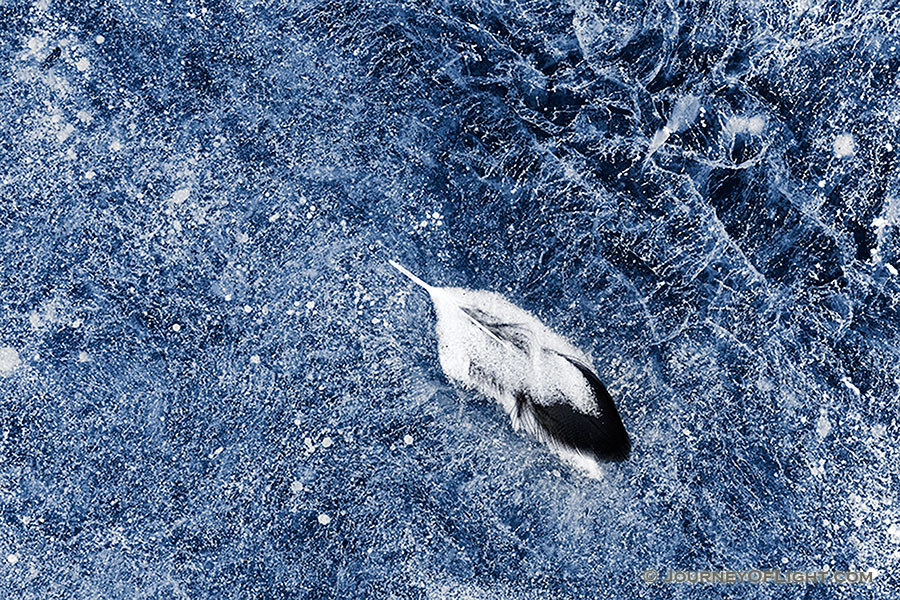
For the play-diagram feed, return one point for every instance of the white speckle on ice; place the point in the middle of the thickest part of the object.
(891, 268)
(254, 359)
(12, 558)
(248, 309)
(821, 183)
(850, 385)
(408, 439)
(83, 357)
(216, 452)
(327, 442)
(241, 238)
(90, 174)
(894, 532)
(9, 360)
(176, 327)
(115, 145)
(324, 519)
(844, 145)
(297, 487)
(181, 195)
(877, 430)
(818, 469)
(310, 305)
(823, 425)
(176, 225)
(83, 64)
(64, 133)
(99, 39)
(84, 116)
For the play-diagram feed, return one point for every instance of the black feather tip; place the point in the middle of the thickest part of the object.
(604, 436)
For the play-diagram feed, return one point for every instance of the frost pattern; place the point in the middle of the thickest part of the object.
(198, 203)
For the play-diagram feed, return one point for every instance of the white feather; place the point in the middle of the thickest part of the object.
(545, 384)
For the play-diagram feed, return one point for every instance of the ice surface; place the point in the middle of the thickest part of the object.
(245, 169)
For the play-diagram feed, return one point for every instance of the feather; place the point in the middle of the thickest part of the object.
(545, 384)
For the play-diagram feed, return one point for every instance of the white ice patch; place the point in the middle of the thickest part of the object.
(324, 519)
(739, 124)
(823, 425)
(83, 64)
(64, 133)
(49, 313)
(894, 532)
(408, 439)
(181, 195)
(818, 468)
(36, 43)
(844, 145)
(684, 113)
(9, 360)
(890, 215)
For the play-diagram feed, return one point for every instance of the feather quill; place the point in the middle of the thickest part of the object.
(546, 385)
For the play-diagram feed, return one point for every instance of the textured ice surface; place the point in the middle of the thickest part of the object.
(197, 202)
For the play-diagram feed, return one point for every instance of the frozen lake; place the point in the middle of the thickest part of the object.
(213, 385)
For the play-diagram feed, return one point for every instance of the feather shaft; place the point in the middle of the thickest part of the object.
(411, 277)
